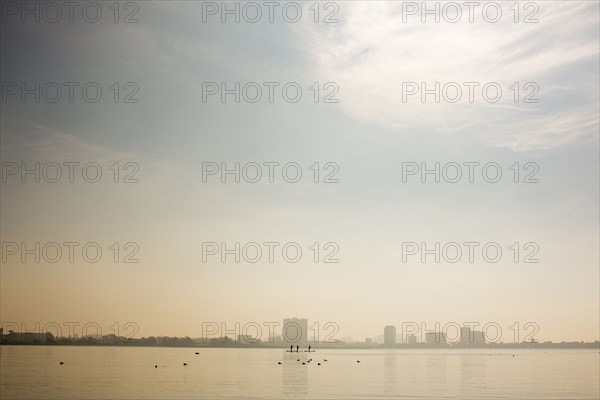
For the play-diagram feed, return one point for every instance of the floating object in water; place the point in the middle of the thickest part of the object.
(156, 366)
(357, 361)
(279, 362)
(324, 360)
(318, 363)
(303, 363)
(184, 364)
(61, 363)
(196, 353)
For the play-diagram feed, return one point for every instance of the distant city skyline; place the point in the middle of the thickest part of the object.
(297, 332)
(433, 340)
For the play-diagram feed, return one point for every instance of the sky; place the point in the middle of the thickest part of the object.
(365, 208)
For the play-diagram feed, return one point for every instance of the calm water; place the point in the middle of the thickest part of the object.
(33, 372)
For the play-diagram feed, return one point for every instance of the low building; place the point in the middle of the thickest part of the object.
(435, 339)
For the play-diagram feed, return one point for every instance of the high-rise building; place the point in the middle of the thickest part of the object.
(295, 332)
(389, 336)
(435, 338)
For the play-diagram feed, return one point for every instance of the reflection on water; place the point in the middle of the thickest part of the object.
(436, 372)
(472, 370)
(294, 377)
(34, 372)
(390, 372)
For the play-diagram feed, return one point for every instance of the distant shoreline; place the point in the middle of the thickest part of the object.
(48, 339)
(566, 345)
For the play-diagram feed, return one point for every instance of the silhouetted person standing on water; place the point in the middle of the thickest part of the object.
(309, 349)
(297, 349)
(291, 348)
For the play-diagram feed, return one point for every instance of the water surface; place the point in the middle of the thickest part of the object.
(33, 372)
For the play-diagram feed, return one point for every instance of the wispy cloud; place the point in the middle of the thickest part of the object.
(371, 52)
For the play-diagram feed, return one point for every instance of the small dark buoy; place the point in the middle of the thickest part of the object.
(61, 363)
(196, 353)
(357, 361)
(156, 366)
(184, 364)
(303, 363)
(298, 360)
(324, 360)
(513, 355)
(318, 363)
(279, 362)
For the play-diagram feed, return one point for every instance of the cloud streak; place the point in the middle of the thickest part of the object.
(371, 52)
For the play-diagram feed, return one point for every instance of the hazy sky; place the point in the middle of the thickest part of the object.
(369, 134)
